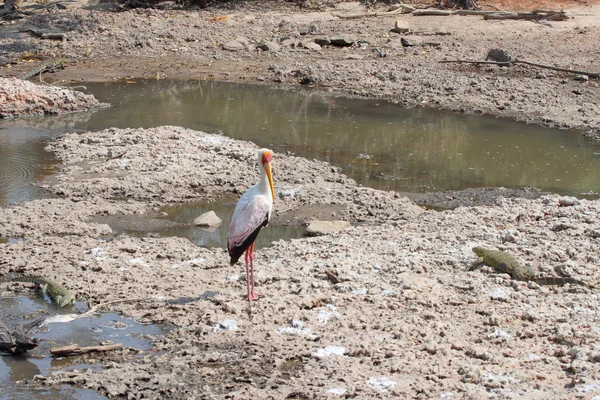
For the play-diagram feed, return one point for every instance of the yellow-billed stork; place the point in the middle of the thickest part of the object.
(252, 213)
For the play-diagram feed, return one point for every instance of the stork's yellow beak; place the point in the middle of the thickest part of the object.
(270, 178)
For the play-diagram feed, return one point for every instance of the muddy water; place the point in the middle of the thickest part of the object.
(378, 144)
(177, 220)
(16, 372)
(23, 161)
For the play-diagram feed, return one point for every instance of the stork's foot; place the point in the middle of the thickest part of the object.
(253, 296)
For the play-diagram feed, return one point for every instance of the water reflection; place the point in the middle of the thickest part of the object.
(17, 372)
(22, 162)
(378, 144)
(177, 220)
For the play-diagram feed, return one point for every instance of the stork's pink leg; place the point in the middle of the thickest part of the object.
(253, 295)
(247, 259)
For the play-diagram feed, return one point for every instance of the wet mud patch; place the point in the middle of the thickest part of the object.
(17, 372)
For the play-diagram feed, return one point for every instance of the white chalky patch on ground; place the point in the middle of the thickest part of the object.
(196, 261)
(337, 391)
(588, 388)
(296, 329)
(330, 311)
(499, 333)
(211, 139)
(329, 351)
(381, 383)
(97, 251)
(499, 295)
(225, 325)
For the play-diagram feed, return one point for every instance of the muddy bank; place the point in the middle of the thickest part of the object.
(385, 308)
(160, 44)
(172, 164)
(19, 98)
(404, 318)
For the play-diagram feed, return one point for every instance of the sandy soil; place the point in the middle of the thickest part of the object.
(404, 317)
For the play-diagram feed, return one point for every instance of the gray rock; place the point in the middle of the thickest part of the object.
(233, 45)
(498, 55)
(343, 40)
(208, 219)
(412, 41)
(311, 46)
(582, 78)
(243, 40)
(290, 42)
(286, 25)
(269, 46)
(401, 26)
(322, 40)
(568, 201)
(318, 228)
(499, 295)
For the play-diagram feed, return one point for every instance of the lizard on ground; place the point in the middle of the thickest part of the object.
(57, 292)
(47, 65)
(509, 264)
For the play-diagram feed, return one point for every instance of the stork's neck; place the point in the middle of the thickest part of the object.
(263, 184)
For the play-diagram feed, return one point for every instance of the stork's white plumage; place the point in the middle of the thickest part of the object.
(252, 213)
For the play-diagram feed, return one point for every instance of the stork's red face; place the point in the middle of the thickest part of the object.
(267, 157)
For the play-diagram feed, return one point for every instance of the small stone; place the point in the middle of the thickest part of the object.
(499, 295)
(243, 40)
(322, 40)
(581, 78)
(208, 219)
(401, 26)
(343, 40)
(498, 55)
(568, 201)
(269, 46)
(233, 45)
(311, 46)
(318, 228)
(285, 25)
(412, 41)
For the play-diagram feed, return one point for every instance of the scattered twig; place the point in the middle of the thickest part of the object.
(535, 15)
(509, 63)
(75, 349)
(369, 14)
(47, 35)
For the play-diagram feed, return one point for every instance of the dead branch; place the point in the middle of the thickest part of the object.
(75, 350)
(442, 13)
(509, 63)
(535, 15)
(47, 35)
(369, 14)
